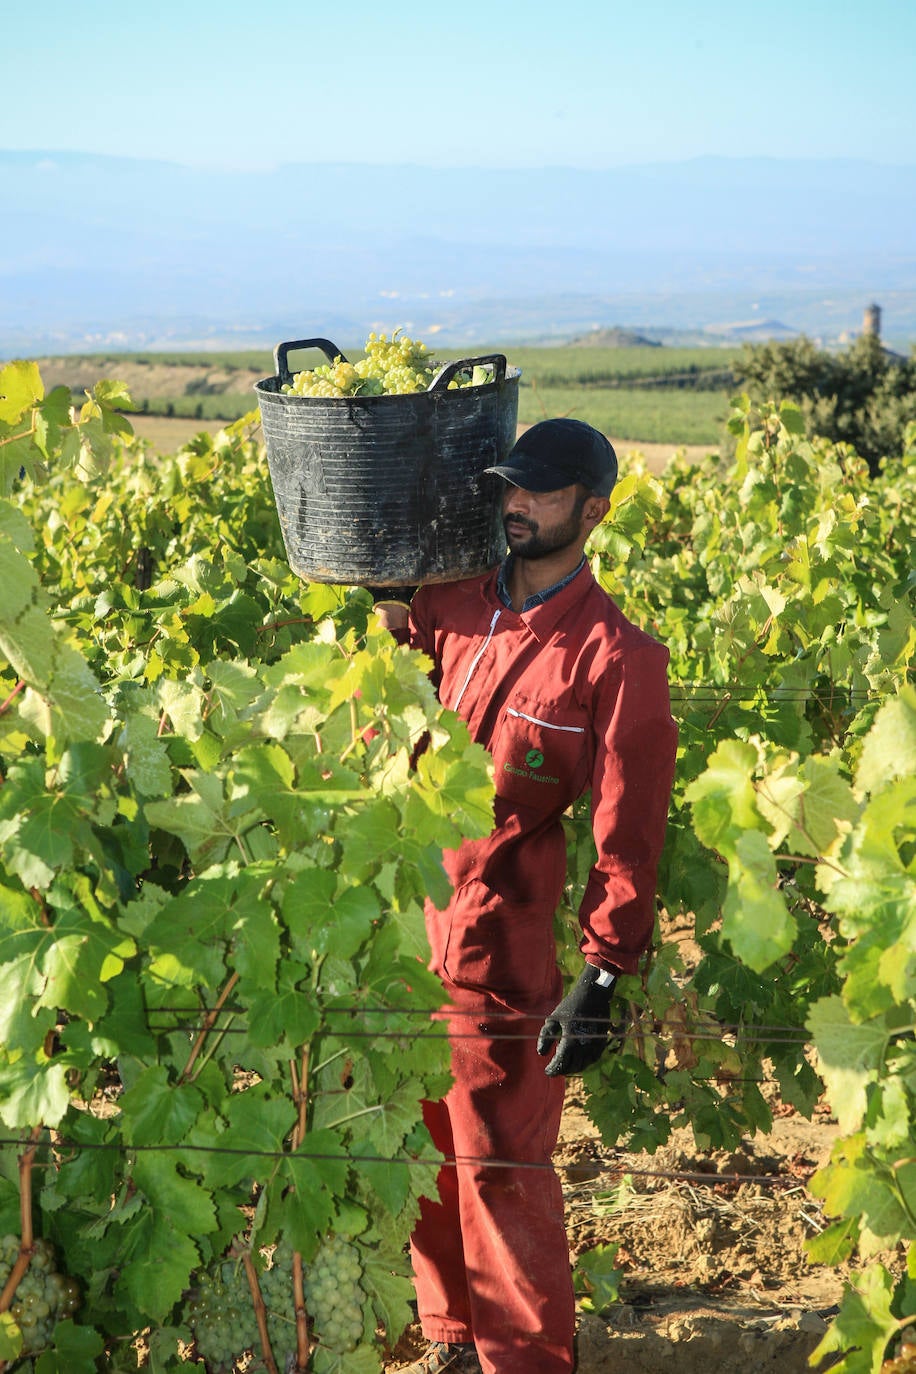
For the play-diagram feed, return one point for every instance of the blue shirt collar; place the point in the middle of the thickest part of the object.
(538, 598)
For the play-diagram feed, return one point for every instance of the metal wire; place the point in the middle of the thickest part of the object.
(613, 1165)
(757, 1036)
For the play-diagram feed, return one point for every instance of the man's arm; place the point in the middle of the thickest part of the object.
(636, 747)
(636, 743)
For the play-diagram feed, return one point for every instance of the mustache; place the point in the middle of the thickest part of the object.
(519, 520)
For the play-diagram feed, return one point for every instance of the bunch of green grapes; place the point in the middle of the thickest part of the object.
(333, 1295)
(221, 1316)
(391, 367)
(221, 1313)
(277, 1292)
(334, 379)
(43, 1296)
(398, 366)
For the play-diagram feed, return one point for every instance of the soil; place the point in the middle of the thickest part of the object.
(715, 1279)
(148, 378)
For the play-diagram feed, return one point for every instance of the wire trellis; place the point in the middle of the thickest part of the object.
(612, 1165)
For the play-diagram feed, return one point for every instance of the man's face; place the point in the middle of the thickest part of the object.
(538, 523)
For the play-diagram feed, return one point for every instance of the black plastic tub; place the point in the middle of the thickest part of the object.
(390, 490)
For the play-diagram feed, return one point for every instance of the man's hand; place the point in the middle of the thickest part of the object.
(391, 605)
(581, 1023)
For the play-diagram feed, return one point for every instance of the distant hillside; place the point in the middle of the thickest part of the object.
(754, 331)
(613, 338)
(103, 252)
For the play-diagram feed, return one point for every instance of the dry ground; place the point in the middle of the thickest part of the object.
(715, 1276)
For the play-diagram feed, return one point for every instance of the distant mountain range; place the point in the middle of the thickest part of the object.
(107, 252)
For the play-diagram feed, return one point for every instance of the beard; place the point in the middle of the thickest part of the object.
(540, 542)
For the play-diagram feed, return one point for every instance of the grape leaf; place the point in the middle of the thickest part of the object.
(450, 800)
(21, 388)
(597, 1278)
(198, 817)
(156, 1111)
(755, 918)
(76, 1350)
(386, 1281)
(258, 1123)
(849, 1058)
(158, 1257)
(146, 756)
(723, 798)
(835, 1244)
(889, 751)
(33, 1091)
(284, 1016)
(865, 1324)
(309, 1183)
(856, 1183)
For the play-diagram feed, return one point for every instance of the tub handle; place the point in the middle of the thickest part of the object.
(447, 372)
(439, 382)
(282, 351)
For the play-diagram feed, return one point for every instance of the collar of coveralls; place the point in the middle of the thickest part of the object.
(537, 598)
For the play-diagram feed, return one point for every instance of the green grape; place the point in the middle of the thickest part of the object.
(277, 1292)
(221, 1316)
(42, 1297)
(398, 366)
(335, 1300)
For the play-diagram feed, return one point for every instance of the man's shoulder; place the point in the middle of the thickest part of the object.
(469, 591)
(619, 633)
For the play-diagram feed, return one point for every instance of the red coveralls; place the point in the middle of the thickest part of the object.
(566, 696)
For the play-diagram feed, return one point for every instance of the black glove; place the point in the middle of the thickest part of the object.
(581, 1023)
(402, 594)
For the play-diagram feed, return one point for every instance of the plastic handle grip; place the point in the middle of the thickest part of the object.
(282, 351)
(445, 374)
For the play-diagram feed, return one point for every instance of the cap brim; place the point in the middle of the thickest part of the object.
(533, 476)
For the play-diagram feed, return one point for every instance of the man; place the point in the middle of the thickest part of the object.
(567, 695)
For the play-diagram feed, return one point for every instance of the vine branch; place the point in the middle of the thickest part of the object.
(209, 1022)
(260, 1312)
(27, 1243)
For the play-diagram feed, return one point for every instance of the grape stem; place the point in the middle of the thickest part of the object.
(26, 1247)
(260, 1312)
(300, 1081)
(4, 706)
(302, 1316)
(209, 1022)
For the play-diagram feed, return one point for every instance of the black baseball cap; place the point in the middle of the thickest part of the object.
(557, 453)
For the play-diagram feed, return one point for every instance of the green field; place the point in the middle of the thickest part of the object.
(658, 417)
(554, 364)
(657, 395)
(662, 416)
(595, 366)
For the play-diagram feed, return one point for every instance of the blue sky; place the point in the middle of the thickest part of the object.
(580, 83)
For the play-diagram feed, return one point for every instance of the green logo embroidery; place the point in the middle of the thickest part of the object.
(534, 758)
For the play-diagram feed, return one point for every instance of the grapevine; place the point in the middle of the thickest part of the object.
(203, 764)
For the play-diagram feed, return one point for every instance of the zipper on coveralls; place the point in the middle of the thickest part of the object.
(548, 724)
(476, 659)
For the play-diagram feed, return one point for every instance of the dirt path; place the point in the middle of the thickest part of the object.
(715, 1276)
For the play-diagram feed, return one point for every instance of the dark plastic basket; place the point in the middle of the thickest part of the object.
(389, 490)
